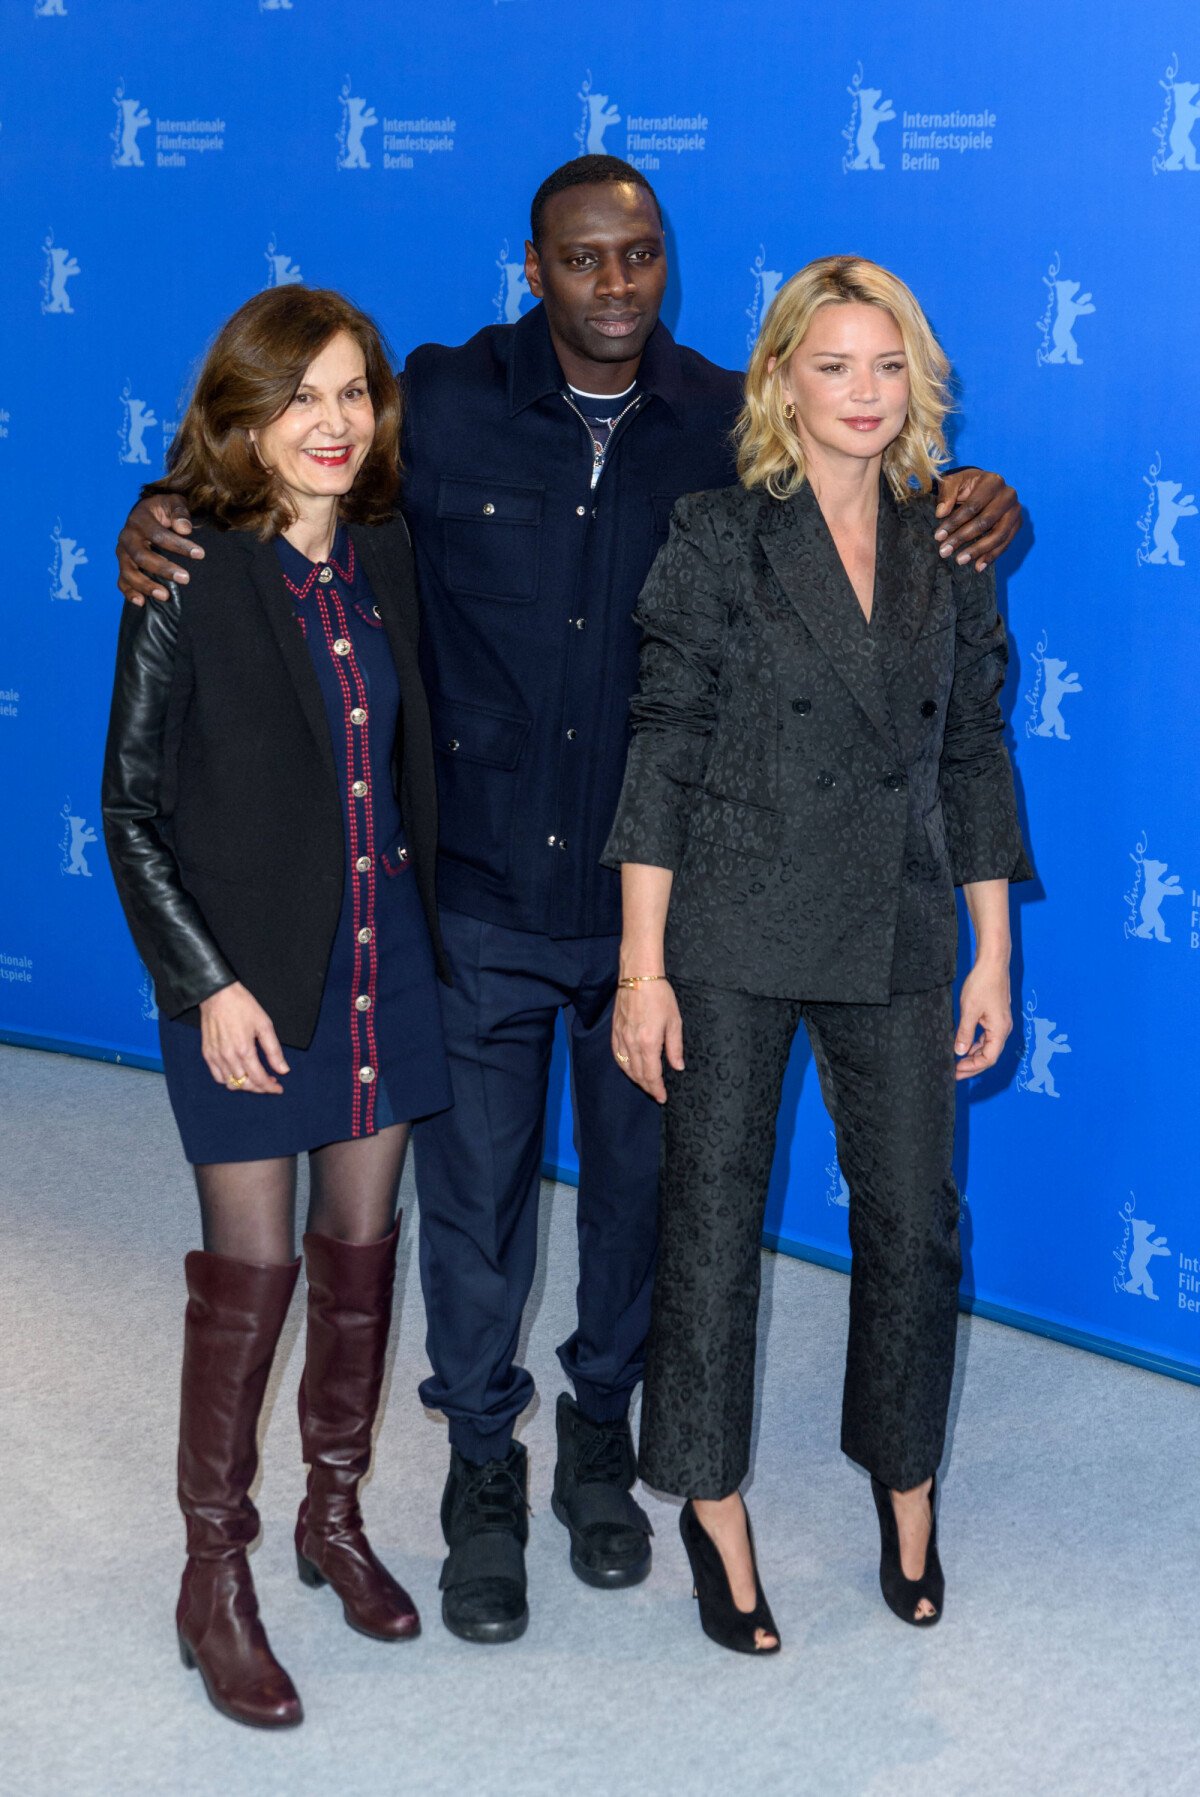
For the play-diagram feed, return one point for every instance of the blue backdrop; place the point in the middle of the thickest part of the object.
(1033, 172)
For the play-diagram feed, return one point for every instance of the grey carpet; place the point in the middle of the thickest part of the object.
(1067, 1662)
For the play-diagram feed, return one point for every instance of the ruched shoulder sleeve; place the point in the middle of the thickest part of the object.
(979, 806)
(684, 613)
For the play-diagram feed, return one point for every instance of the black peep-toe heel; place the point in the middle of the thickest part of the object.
(900, 1594)
(720, 1617)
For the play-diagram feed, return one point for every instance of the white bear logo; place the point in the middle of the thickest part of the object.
(1157, 888)
(1058, 683)
(67, 557)
(357, 116)
(132, 117)
(81, 835)
(1067, 308)
(1040, 1052)
(1185, 112)
(513, 287)
(49, 9)
(281, 270)
(1170, 508)
(767, 282)
(601, 114)
(872, 111)
(60, 267)
(1146, 1247)
(598, 114)
(139, 418)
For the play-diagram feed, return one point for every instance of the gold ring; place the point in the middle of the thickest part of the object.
(237, 1084)
(623, 1058)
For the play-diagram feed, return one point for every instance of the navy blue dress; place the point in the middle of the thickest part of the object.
(377, 1055)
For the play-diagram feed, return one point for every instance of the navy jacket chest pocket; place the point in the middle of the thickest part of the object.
(491, 538)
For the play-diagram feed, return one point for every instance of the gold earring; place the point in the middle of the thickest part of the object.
(789, 411)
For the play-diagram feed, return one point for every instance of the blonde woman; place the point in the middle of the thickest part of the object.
(817, 761)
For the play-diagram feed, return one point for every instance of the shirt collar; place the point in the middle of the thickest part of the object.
(298, 567)
(534, 371)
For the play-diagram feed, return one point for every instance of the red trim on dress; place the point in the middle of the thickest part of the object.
(358, 765)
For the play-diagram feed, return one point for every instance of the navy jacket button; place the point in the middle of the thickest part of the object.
(929, 709)
(801, 706)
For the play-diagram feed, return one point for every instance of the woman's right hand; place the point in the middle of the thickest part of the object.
(647, 1025)
(233, 1029)
(160, 522)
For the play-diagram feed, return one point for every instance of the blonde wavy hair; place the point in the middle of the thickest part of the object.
(769, 453)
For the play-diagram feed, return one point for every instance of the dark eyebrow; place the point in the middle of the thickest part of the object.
(631, 243)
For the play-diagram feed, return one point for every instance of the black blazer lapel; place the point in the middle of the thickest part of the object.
(807, 565)
(390, 570)
(907, 570)
(267, 578)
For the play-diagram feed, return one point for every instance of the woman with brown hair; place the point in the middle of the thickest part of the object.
(270, 817)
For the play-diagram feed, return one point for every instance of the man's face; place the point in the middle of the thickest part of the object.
(600, 273)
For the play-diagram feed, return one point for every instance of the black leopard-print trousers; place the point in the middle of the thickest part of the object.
(887, 1075)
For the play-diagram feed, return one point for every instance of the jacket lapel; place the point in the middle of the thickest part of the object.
(267, 578)
(393, 582)
(907, 571)
(807, 565)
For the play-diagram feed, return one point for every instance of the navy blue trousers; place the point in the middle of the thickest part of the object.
(478, 1171)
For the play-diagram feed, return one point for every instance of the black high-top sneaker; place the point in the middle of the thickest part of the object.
(485, 1519)
(593, 1483)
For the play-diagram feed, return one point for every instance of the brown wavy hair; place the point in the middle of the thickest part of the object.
(249, 376)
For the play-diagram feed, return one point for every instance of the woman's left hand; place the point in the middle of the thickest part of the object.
(984, 1018)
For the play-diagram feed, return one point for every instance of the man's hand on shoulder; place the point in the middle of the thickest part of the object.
(979, 515)
(160, 523)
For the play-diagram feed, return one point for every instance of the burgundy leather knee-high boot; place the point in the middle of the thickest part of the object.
(235, 1313)
(349, 1317)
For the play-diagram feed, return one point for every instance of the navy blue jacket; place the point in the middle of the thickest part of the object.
(528, 582)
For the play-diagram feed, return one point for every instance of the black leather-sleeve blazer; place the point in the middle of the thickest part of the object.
(795, 768)
(222, 816)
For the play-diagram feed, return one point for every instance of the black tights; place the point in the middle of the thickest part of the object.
(248, 1208)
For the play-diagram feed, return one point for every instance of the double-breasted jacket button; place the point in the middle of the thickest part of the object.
(366, 1075)
(341, 645)
(551, 842)
(358, 715)
(581, 511)
(801, 707)
(571, 735)
(363, 1002)
(581, 623)
(894, 782)
(488, 509)
(453, 743)
(929, 708)
(325, 576)
(402, 854)
(824, 778)
(364, 935)
(359, 789)
(363, 864)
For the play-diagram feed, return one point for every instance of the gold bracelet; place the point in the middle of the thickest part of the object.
(640, 979)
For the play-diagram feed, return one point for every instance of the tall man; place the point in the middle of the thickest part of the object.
(543, 461)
